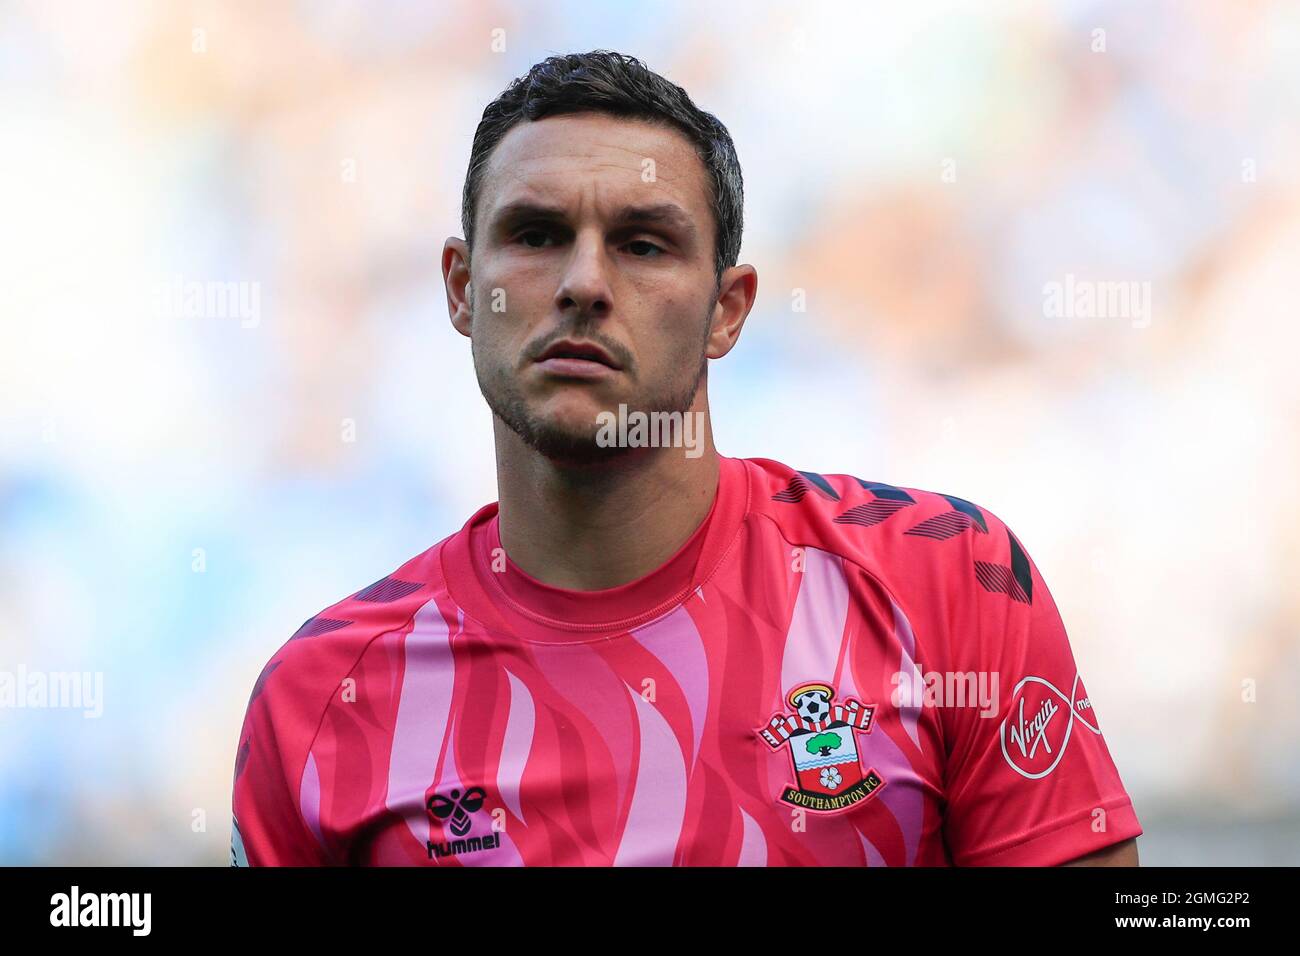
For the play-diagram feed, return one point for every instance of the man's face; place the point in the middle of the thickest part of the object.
(591, 230)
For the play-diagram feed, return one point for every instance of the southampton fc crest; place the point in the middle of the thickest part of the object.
(822, 737)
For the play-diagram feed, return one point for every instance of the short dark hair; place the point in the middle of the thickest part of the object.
(603, 81)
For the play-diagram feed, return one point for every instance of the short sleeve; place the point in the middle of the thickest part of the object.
(1029, 780)
(272, 768)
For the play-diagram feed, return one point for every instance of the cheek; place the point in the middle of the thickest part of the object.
(522, 288)
(679, 341)
(498, 336)
(493, 361)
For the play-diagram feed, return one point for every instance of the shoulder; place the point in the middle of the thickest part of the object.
(948, 567)
(909, 538)
(298, 680)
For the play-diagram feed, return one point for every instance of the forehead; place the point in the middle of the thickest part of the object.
(592, 157)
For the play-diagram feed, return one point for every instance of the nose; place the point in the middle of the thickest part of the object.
(584, 287)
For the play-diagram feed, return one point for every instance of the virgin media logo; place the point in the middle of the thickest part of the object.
(1037, 729)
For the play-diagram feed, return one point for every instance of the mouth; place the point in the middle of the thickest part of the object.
(573, 359)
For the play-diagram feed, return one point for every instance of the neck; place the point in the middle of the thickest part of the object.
(594, 527)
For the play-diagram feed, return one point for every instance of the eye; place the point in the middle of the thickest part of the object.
(646, 245)
(528, 234)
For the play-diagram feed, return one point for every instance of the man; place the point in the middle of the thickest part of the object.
(646, 653)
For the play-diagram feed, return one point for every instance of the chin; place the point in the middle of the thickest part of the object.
(576, 449)
(575, 415)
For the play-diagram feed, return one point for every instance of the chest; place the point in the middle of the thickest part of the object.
(736, 730)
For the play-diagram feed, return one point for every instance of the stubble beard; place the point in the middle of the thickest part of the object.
(572, 446)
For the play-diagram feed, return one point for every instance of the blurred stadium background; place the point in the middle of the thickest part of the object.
(179, 492)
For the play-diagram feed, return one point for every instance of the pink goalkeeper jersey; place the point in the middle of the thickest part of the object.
(829, 672)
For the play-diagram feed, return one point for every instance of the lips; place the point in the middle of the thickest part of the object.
(581, 351)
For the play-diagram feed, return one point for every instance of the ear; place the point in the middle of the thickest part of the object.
(736, 294)
(455, 276)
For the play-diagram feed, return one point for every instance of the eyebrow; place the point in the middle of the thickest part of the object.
(665, 214)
